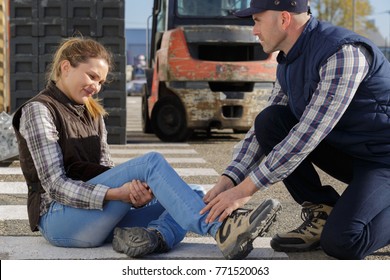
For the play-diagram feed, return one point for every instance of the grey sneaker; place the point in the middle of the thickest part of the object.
(138, 241)
(308, 235)
(236, 234)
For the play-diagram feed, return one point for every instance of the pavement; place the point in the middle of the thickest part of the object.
(194, 248)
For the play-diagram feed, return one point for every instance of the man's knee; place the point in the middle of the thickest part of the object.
(267, 116)
(341, 244)
(272, 125)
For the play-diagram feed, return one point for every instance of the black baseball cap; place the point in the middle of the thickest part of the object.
(258, 6)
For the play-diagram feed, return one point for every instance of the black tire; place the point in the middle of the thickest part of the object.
(169, 120)
(146, 123)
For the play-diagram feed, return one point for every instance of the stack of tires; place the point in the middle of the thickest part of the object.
(36, 29)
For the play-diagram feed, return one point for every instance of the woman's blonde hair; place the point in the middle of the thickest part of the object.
(79, 50)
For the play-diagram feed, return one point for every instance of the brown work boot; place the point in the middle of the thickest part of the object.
(236, 234)
(307, 236)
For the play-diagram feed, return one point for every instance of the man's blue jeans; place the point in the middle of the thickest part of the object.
(174, 211)
(359, 223)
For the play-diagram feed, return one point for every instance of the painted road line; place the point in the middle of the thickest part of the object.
(113, 146)
(144, 151)
(10, 171)
(13, 188)
(21, 187)
(170, 160)
(184, 172)
(13, 212)
(188, 172)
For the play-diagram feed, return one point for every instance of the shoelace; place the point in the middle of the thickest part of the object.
(307, 216)
(239, 212)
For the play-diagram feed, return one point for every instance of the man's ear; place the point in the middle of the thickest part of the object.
(286, 19)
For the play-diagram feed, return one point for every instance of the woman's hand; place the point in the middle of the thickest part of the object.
(140, 193)
(135, 192)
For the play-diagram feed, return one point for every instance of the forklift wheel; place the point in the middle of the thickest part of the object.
(146, 123)
(169, 120)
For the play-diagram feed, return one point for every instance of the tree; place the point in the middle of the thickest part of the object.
(340, 12)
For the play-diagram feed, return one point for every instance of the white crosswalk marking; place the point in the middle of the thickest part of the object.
(13, 188)
(178, 154)
(10, 171)
(13, 212)
(170, 160)
(144, 151)
(185, 172)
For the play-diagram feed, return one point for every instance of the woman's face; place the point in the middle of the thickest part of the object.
(83, 81)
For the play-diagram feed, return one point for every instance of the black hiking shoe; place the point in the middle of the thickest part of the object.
(137, 241)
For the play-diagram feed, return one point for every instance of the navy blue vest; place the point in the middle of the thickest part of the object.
(364, 129)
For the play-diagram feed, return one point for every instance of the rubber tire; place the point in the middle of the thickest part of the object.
(169, 120)
(146, 123)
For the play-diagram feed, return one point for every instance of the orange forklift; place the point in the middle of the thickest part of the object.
(205, 70)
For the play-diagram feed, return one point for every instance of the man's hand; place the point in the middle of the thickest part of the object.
(224, 183)
(228, 201)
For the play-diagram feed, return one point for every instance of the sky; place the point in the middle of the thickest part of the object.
(137, 12)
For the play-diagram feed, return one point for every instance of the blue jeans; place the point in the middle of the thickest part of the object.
(359, 223)
(174, 211)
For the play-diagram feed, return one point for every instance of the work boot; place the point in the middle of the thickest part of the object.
(236, 234)
(137, 241)
(307, 236)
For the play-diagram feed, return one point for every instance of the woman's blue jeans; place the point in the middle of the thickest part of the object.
(359, 223)
(174, 211)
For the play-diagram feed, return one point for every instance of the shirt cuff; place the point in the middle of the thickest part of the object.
(97, 197)
(236, 178)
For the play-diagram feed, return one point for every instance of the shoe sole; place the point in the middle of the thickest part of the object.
(117, 242)
(244, 244)
(295, 247)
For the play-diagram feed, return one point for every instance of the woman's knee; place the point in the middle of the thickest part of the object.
(153, 156)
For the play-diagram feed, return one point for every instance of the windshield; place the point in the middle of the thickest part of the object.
(210, 8)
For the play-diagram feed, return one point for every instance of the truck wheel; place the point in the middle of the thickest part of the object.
(169, 120)
(146, 123)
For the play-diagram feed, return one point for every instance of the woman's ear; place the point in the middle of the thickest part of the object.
(65, 67)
